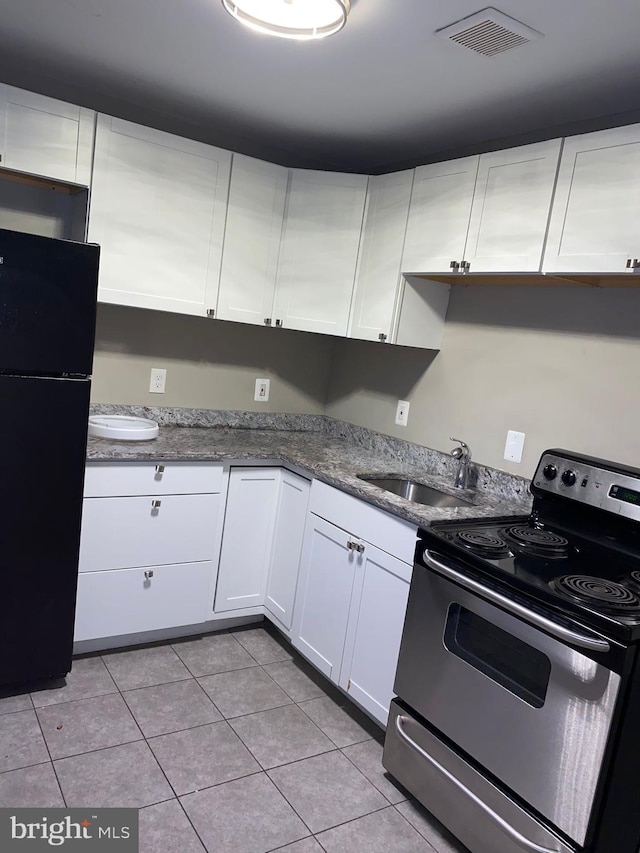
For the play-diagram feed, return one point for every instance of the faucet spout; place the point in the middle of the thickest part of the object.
(463, 455)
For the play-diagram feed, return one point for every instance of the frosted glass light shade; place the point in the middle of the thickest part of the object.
(293, 19)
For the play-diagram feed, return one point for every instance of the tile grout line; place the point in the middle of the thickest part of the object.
(53, 766)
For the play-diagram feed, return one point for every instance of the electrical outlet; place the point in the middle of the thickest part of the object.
(261, 394)
(513, 446)
(402, 413)
(158, 380)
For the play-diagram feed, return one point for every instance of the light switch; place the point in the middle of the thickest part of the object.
(514, 446)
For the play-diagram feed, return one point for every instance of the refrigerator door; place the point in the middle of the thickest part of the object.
(48, 291)
(43, 435)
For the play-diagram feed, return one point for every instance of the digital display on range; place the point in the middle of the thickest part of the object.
(629, 496)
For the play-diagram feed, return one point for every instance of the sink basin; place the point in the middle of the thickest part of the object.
(122, 427)
(416, 492)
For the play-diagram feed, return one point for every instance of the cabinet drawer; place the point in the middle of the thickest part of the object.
(120, 533)
(126, 602)
(385, 531)
(151, 478)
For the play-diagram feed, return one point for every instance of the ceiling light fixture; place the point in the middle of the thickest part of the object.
(291, 19)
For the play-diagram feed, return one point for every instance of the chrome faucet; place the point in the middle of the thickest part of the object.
(463, 455)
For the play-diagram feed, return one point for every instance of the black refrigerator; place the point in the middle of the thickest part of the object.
(47, 326)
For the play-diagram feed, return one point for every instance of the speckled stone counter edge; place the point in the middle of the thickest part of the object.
(498, 483)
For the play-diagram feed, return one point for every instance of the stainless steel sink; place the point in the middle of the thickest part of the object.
(416, 492)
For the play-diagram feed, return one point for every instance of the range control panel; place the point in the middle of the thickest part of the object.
(583, 480)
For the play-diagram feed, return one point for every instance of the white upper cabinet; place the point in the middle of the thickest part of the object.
(377, 281)
(319, 251)
(488, 213)
(596, 209)
(511, 205)
(255, 214)
(158, 206)
(439, 215)
(46, 137)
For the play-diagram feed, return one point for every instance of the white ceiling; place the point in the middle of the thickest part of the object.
(381, 94)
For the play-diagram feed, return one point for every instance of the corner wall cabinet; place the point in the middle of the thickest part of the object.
(159, 570)
(42, 136)
(319, 251)
(255, 215)
(596, 209)
(158, 207)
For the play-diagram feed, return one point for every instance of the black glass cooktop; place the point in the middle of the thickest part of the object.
(591, 578)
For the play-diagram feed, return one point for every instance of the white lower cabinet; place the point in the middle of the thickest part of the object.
(130, 601)
(327, 570)
(261, 542)
(147, 559)
(376, 619)
(352, 596)
(282, 579)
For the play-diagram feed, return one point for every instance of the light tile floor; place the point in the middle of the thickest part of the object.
(227, 743)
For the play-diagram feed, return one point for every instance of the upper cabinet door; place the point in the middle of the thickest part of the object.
(45, 137)
(252, 240)
(381, 247)
(511, 206)
(319, 251)
(596, 209)
(439, 215)
(158, 205)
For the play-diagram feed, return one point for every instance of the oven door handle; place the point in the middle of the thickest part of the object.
(521, 840)
(577, 638)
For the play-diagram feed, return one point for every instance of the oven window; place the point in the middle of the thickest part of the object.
(504, 658)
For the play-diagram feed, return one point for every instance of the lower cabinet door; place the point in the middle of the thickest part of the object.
(128, 601)
(247, 538)
(327, 570)
(376, 619)
(291, 512)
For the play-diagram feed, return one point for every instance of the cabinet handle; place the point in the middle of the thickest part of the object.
(466, 266)
(279, 323)
(156, 504)
(211, 314)
(635, 264)
(359, 547)
(454, 265)
(148, 574)
(628, 263)
(382, 337)
(267, 321)
(350, 545)
(159, 469)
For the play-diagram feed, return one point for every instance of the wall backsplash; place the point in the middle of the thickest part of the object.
(560, 364)
(210, 364)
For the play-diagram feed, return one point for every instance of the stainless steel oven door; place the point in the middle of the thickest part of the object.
(530, 709)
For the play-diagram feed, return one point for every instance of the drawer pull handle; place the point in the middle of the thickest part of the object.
(148, 574)
(156, 504)
(159, 469)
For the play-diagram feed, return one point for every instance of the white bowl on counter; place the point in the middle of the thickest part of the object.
(122, 427)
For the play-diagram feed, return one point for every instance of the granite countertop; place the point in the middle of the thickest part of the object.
(334, 460)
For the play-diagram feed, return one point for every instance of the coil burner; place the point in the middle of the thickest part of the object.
(483, 544)
(605, 594)
(537, 542)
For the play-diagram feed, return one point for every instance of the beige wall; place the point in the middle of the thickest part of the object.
(560, 364)
(210, 364)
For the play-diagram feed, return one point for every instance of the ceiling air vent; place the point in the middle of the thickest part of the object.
(489, 32)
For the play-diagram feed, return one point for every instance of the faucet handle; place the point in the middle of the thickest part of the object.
(463, 450)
